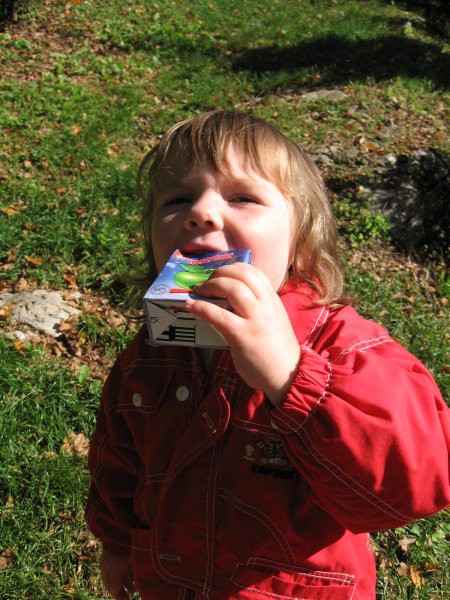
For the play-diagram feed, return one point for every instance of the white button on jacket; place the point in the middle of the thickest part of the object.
(182, 393)
(137, 400)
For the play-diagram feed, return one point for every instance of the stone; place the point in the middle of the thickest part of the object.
(411, 190)
(40, 309)
(334, 95)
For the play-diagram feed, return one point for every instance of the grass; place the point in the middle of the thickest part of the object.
(86, 88)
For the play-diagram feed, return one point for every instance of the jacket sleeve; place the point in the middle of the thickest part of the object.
(368, 429)
(114, 467)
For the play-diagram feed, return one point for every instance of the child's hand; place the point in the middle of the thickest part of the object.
(262, 342)
(116, 575)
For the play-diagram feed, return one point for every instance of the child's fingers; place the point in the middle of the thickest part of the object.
(248, 274)
(226, 322)
(238, 294)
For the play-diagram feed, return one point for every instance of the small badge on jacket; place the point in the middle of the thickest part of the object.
(268, 457)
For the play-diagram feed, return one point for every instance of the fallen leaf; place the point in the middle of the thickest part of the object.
(21, 285)
(11, 255)
(34, 260)
(70, 279)
(403, 569)
(20, 347)
(76, 444)
(115, 320)
(76, 130)
(406, 542)
(370, 146)
(68, 324)
(6, 310)
(6, 560)
(8, 210)
(415, 577)
(31, 227)
(69, 588)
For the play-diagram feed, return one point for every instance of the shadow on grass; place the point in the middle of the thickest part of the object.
(342, 60)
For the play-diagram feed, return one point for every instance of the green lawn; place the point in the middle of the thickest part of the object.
(86, 87)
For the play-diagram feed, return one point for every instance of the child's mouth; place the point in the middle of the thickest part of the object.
(190, 252)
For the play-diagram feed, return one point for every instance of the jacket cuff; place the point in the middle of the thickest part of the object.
(309, 388)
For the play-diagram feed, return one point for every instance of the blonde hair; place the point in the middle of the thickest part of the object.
(205, 140)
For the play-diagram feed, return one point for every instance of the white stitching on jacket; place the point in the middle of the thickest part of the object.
(262, 518)
(318, 325)
(359, 347)
(300, 429)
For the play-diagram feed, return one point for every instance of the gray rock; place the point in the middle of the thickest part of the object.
(412, 191)
(334, 95)
(39, 309)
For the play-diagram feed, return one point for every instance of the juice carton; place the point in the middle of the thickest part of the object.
(167, 320)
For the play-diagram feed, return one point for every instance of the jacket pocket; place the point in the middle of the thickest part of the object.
(145, 387)
(269, 578)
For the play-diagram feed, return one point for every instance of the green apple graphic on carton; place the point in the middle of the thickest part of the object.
(191, 276)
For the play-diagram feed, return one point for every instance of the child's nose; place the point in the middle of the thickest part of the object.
(204, 214)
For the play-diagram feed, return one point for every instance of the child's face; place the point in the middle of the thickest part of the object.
(200, 210)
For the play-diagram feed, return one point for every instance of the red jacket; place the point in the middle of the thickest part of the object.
(217, 497)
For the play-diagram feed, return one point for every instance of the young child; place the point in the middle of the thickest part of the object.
(258, 471)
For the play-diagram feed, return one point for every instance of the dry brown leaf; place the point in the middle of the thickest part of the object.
(8, 210)
(406, 542)
(370, 146)
(415, 577)
(6, 310)
(6, 559)
(69, 588)
(68, 324)
(403, 569)
(76, 130)
(9, 505)
(11, 255)
(34, 260)
(21, 285)
(114, 319)
(70, 279)
(20, 347)
(76, 444)
(432, 567)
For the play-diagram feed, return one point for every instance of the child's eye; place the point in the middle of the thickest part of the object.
(176, 201)
(244, 200)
